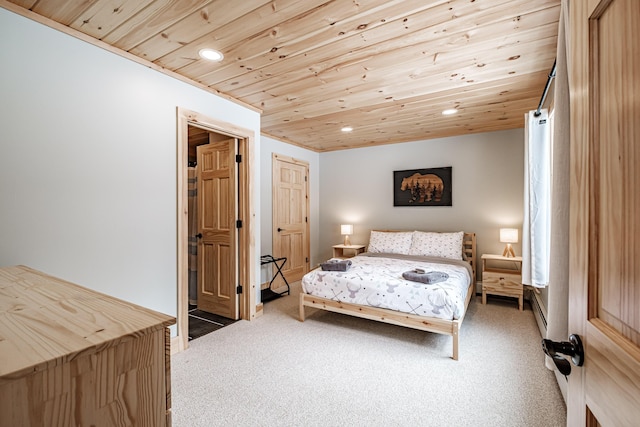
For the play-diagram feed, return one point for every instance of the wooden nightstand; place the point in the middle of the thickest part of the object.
(502, 276)
(347, 251)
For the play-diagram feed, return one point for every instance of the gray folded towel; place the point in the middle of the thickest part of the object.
(419, 275)
(336, 265)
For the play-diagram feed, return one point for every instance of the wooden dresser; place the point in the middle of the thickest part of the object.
(70, 356)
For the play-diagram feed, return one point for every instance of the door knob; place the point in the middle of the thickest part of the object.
(199, 235)
(280, 229)
(573, 348)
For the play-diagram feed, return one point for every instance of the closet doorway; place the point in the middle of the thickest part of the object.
(214, 227)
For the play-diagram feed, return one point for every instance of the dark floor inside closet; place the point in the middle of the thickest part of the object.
(202, 323)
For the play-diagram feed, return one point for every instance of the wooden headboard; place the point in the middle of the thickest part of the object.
(469, 251)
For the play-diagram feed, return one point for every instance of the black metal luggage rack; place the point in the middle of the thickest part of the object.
(269, 294)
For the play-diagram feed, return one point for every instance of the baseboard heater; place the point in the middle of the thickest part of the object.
(539, 312)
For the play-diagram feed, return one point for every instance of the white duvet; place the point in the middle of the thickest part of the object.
(376, 280)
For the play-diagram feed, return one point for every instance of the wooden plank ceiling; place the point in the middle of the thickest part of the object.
(387, 68)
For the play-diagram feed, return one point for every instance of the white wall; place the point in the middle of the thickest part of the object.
(268, 147)
(88, 163)
(356, 186)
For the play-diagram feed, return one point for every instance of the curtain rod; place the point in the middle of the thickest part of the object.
(552, 74)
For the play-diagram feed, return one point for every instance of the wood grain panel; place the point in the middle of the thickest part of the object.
(156, 17)
(312, 66)
(27, 4)
(429, 126)
(101, 18)
(614, 375)
(72, 356)
(366, 78)
(375, 42)
(64, 12)
(604, 281)
(325, 25)
(227, 282)
(619, 178)
(232, 32)
(188, 28)
(210, 270)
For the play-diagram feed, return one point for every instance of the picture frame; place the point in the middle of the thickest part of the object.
(423, 187)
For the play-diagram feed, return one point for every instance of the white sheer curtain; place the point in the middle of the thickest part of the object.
(558, 293)
(537, 200)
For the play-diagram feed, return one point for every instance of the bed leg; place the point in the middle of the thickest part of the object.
(455, 342)
(301, 307)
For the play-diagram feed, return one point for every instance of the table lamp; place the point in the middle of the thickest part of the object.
(508, 236)
(346, 230)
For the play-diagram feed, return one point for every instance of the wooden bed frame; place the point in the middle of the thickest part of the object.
(429, 324)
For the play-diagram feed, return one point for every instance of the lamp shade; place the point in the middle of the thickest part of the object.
(346, 229)
(509, 235)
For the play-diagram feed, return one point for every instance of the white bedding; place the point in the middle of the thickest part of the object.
(376, 280)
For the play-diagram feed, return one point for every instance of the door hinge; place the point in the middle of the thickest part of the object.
(239, 289)
(238, 158)
(239, 223)
(306, 259)
(305, 219)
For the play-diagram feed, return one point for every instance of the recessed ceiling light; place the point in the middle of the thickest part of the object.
(449, 112)
(211, 55)
(346, 129)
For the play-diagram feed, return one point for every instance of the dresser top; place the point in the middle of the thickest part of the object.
(45, 320)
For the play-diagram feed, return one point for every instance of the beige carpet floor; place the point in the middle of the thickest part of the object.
(336, 370)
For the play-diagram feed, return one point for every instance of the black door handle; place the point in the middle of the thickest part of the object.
(573, 348)
(199, 235)
(280, 229)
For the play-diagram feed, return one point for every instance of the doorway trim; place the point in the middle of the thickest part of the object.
(246, 245)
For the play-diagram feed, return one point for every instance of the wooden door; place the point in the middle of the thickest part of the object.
(290, 216)
(604, 295)
(217, 274)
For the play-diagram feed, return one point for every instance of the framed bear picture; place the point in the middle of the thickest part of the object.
(422, 187)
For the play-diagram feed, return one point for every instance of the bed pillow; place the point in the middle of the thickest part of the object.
(443, 245)
(390, 242)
